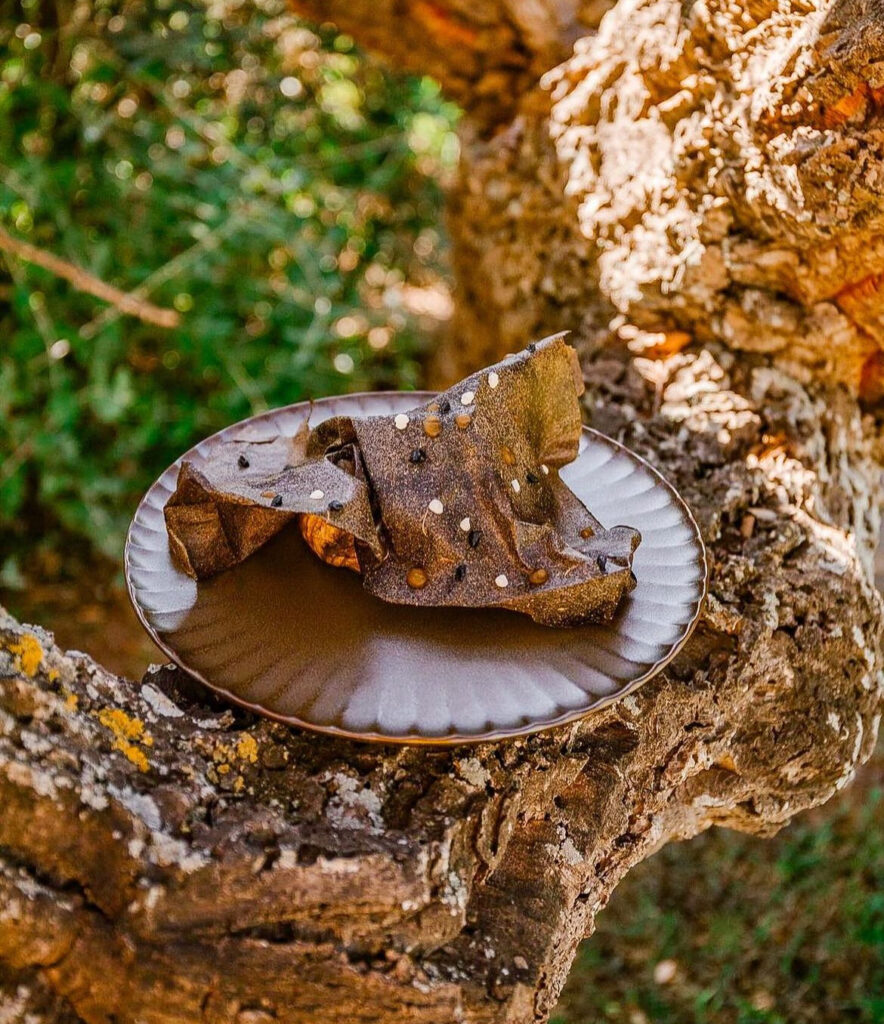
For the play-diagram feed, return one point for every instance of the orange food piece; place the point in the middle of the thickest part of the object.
(328, 542)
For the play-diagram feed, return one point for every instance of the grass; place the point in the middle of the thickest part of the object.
(732, 929)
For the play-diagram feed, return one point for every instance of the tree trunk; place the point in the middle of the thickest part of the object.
(696, 191)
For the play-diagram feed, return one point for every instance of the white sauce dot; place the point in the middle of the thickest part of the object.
(502, 581)
(516, 486)
(545, 469)
(401, 421)
(493, 380)
(467, 398)
(465, 524)
(436, 506)
(316, 495)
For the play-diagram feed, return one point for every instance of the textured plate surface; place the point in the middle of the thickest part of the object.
(292, 638)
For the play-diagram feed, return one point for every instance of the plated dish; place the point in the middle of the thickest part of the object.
(292, 637)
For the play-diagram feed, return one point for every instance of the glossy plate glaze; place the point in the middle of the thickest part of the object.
(292, 638)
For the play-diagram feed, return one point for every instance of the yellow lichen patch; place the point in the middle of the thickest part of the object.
(52, 675)
(239, 784)
(70, 699)
(28, 652)
(126, 730)
(121, 724)
(247, 749)
(135, 754)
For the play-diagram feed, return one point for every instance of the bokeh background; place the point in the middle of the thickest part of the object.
(282, 194)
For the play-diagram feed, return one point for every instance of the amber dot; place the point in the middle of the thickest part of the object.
(433, 407)
(463, 420)
(432, 426)
(508, 456)
(586, 533)
(538, 576)
(416, 578)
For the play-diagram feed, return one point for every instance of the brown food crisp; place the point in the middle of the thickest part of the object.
(471, 512)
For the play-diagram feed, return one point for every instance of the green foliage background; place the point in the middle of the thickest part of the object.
(250, 172)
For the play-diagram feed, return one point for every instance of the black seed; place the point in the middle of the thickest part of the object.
(532, 348)
(335, 506)
(242, 462)
(418, 455)
(444, 406)
(602, 563)
(532, 479)
(460, 573)
(277, 501)
(473, 538)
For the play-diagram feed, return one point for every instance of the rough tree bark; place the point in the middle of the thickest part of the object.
(696, 190)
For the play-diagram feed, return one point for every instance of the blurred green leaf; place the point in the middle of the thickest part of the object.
(255, 174)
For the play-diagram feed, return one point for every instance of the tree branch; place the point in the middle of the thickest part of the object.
(655, 197)
(155, 840)
(86, 282)
(714, 170)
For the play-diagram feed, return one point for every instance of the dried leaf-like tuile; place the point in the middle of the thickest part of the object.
(457, 502)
